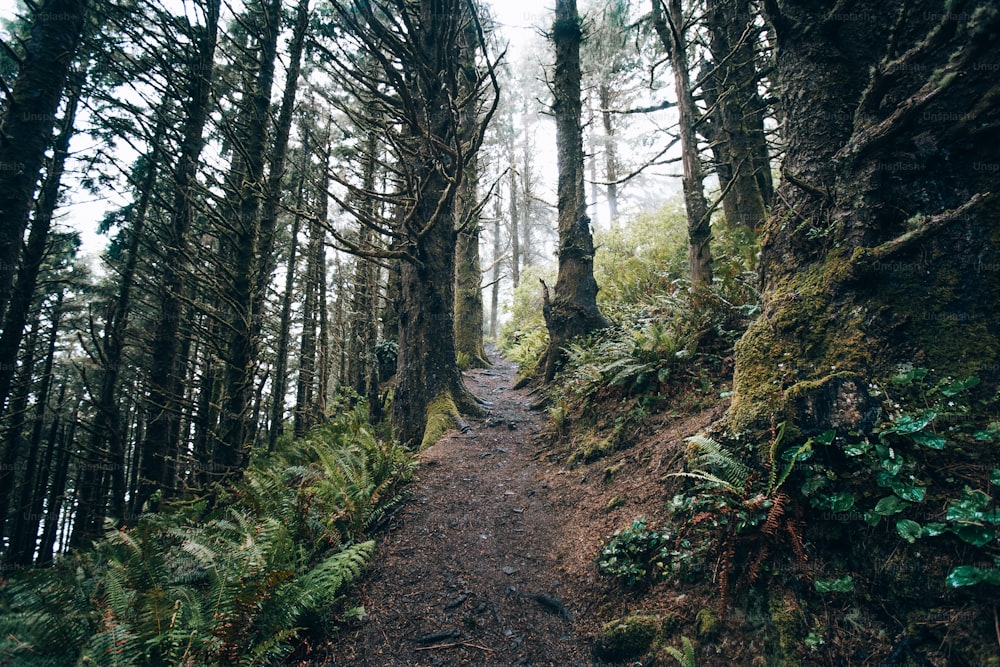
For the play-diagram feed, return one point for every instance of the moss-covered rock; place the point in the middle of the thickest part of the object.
(788, 628)
(706, 624)
(628, 637)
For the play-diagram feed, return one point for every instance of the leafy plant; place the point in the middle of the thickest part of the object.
(235, 586)
(632, 553)
(686, 659)
(750, 511)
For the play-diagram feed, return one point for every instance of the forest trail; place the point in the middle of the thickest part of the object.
(482, 565)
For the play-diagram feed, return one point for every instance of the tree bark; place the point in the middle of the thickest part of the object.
(236, 429)
(738, 121)
(668, 20)
(23, 538)
(573, 310)
(884, 248)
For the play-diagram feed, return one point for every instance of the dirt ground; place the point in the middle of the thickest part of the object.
(492, 560)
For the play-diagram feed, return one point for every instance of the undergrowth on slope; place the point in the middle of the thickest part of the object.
(665, 335)
(840, 525)
(232, 584)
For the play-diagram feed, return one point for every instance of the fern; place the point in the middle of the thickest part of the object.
(322, 585)
(686, 659)
(734, 474)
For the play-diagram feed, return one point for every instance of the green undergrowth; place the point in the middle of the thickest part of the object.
(815, 538)
(238, 583)
(667, 340)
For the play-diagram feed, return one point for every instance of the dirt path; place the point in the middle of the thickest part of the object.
(474, 570)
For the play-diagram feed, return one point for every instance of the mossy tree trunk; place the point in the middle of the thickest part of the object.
(573, 310)
(429, 153)
(884, 247)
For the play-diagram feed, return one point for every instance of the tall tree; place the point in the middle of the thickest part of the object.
(242, 242)
(468, 267)
(573, 310)
(737, 117)
(418, 89)
(28, 121)
(163, 392)
(671, 26)
(887, 207)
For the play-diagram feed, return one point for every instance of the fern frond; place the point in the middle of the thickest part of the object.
(711, 453)
(710, 478)
(686, 659)
(322, 585)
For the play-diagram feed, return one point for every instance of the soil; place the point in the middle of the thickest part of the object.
(491, 562)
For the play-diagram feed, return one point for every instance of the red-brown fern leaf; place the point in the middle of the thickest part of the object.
(758, 561)
(798, 544)
(774, 515)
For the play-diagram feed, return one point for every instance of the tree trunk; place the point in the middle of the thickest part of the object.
(364, 324)
(16, 316)
(162, 399)
(883, 249)
(738, 120)
(29, 117)
(669, 23)
(23, 537)
(280, 385)
(236, 430)
(497, 272)
(56, 494)
(515, 233)
(610, 151)
(573, 312)
(306, 383)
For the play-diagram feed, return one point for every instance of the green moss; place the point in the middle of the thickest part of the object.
(615, 503)
(786, 622)
(807, 333)
(593, 449)
(612, 470)
(628, 637)
(441, 416)
(706, 623)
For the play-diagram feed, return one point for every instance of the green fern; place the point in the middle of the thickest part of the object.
(686, 659)
(733, 474)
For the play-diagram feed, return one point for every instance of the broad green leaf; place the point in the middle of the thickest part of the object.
(841, 585)
(857, 448)
(956, 387)
(909, 530)
(963, 575)
(841, 501)
(909, 424)
(932, 440)
(934, 529)
(969, 575)
(909, 491)
(995, 477)
(890, 505)
(970, 507)
(893, 465)
(975, 535)
(871, 518)
(826, 437)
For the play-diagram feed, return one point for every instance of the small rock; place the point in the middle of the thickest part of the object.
(508, 570)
